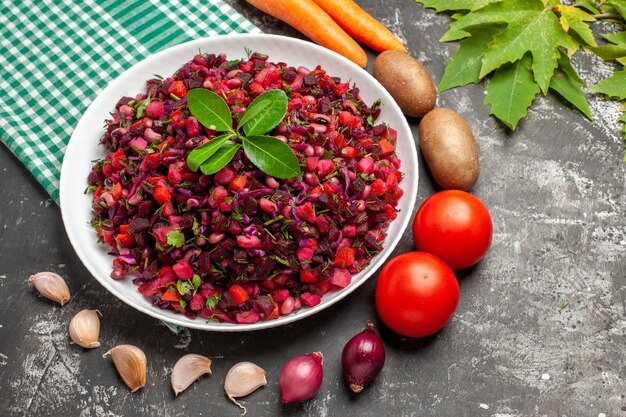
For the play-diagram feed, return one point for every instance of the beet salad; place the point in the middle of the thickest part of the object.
(239, 245)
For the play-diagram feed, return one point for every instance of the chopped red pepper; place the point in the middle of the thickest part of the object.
(349, 152)
(347, 118)
(178, 89)
(171, 295)
(162, 195)
(239, 183)
(344, 257)
(167, 142)
(124, 228)
(125, 240)
(108, 170)
(307, 277)
(156, 180)
(385, 147)
(379, 187)
(238, 293)
(116, 191)
(152, 160)
(118, 159)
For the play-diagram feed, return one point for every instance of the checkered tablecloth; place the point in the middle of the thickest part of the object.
(57, 55)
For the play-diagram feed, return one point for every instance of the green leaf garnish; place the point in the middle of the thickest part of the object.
(205, 151)
(272, 156)
(264, 113)
(220, 158)
(210, 110)
(175, 238)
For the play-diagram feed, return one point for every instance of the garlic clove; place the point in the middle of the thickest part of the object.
(130, 362)
(85, 329)
(187, 370)
(51, 286)
(243, 378)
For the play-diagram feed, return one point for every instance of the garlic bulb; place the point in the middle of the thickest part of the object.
(130, 362)
(51, 286)
(243, 378)
(85, 329)
(187, 369)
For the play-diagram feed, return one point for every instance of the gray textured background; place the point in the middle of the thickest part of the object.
(539, 330)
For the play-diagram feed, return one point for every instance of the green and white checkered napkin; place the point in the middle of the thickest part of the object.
(57, 55)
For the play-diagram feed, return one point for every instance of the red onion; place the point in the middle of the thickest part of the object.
(301, 377)
(363, 358)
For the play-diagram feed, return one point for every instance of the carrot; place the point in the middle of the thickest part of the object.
(309, 19)
(361, 25)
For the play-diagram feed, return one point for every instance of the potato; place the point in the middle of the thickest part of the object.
(450, 150)
(407, 81)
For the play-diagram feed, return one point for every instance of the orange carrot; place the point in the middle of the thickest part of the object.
(309, 19)
(361, 25)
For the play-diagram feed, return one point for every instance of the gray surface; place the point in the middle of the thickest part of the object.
(539, 330)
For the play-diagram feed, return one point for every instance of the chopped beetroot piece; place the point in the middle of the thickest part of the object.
(341, 277)
(310, 300)
(247, 317)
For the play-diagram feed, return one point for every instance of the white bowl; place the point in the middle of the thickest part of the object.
(84, 147)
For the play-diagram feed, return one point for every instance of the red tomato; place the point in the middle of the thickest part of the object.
(416, 294)
(454, 226)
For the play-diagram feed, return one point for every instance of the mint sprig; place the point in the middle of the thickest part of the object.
(265, 112)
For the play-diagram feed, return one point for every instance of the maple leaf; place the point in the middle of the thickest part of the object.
(530, 27)
(574, 19)
(464, 66)
(511, 91)
(613, 87)
(616, 51)
(618, 6)
(567, 84)
(588, 5)
(456, 5)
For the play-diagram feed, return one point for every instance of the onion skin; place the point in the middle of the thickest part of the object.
(363, 358)
(301, 377)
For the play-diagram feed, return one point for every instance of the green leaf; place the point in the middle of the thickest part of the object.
(575, 19)
(616, 38)
(210, 110)
(264, 113)
(622, 60)
(220, 158)
(568, 85)
(619, 6)
(530, 27)
(511, 90)
(183, 286)
(464, 66)
(212, 300)
(587, 5)
(175, 238)
(609, 52)
(614, 86)
(205, 151)
(454, 5)
(272, 156)
(196, 281)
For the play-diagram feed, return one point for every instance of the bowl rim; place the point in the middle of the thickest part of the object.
(73, 150)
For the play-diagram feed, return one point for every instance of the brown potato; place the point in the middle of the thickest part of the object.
(450, 150)
(407, 81)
